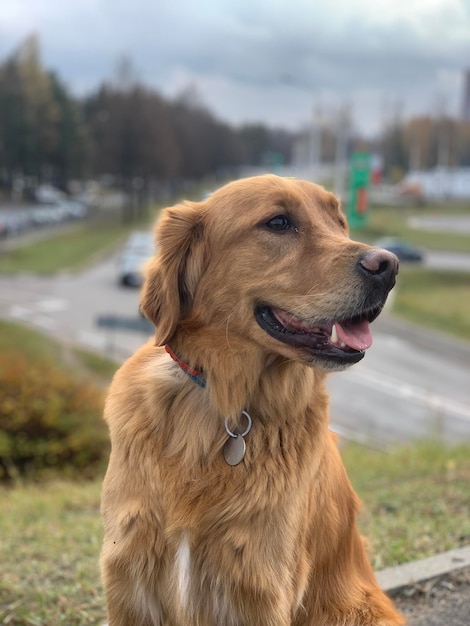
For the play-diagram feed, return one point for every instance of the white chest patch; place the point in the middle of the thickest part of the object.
(183, 570)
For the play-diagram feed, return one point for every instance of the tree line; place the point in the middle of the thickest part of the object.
(135, 136)
(124, 130)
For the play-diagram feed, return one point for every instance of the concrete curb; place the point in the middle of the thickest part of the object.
(392, 579)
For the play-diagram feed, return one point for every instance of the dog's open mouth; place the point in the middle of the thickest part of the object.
(344, 340)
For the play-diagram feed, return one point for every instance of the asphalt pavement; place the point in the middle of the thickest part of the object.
(412, 384)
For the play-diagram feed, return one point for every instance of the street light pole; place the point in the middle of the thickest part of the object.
(316, 140)
(341, 151)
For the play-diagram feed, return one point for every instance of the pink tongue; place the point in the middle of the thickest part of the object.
(357, 336)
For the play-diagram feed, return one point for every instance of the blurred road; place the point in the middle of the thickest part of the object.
(68, 306)
(412, 383)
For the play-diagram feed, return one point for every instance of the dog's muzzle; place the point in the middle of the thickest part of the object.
(339, 342)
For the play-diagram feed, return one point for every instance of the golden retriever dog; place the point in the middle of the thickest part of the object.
(225, 502)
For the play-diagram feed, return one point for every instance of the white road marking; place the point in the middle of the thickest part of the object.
(19, 312)
(398, 388)
(95, 340)
(51, 305)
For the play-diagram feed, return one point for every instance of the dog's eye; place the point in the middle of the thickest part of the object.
(279, 223)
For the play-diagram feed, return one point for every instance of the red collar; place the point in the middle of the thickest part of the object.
(193, 374)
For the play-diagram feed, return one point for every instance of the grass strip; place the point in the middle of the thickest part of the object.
(35, 346)
(50, 538)
(416, 499)
(69, 250)
(438, 299)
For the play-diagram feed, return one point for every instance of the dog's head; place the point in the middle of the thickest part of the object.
(268, 260)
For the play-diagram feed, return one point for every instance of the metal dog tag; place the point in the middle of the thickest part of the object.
(234, 450)
(235, 447)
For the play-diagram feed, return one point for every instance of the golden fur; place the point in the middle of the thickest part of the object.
(189, 539)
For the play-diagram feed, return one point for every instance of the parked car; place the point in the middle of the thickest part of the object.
(14, 222)
(137, 250)
(140, 239)
(404, 251)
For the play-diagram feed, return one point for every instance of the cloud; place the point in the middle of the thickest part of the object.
(267, 60)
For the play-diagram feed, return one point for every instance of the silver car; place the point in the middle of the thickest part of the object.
(137, 250)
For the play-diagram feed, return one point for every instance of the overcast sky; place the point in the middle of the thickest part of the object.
(271, 61)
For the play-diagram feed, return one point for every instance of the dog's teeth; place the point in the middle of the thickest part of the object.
(334, 338)
(334, 335)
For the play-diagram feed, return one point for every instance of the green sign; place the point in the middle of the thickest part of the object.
(358, 193)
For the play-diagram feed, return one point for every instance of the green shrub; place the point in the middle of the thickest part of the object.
(49, 421)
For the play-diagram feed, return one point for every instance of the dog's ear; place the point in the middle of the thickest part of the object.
(173, 274)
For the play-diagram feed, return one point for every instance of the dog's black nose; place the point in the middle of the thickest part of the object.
(380, 265)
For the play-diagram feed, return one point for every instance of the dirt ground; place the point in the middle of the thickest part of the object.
(442, 601)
